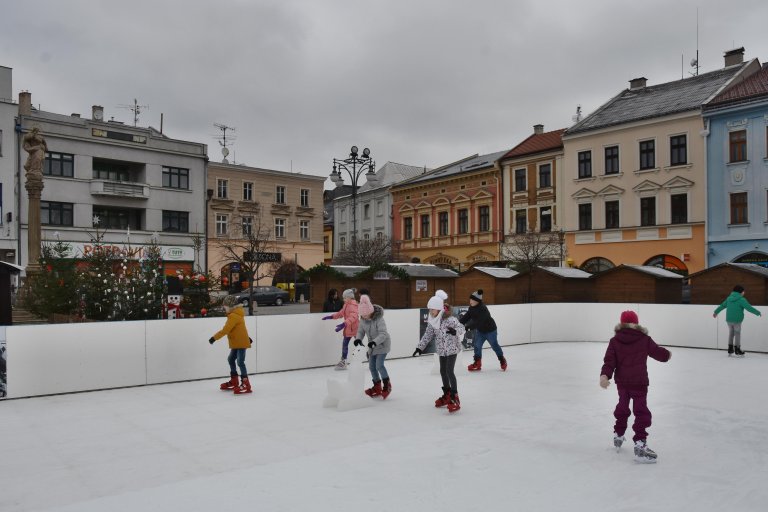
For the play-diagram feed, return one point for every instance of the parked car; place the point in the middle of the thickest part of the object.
(264, 295)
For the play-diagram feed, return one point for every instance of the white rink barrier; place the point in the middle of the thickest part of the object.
(64, 358)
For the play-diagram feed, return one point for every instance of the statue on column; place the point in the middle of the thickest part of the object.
(34, 144)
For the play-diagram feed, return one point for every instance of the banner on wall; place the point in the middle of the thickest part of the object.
(466, 342)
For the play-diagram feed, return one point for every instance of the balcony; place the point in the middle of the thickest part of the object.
(119, 189)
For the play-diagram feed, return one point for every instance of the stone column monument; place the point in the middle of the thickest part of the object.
(34, 144)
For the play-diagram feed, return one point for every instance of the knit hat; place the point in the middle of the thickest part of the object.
(441, 294)
(229, 301)
(365, 308)
(436, 302)
(478, 295)
(738, 288)
(349, 293)
(629, 317)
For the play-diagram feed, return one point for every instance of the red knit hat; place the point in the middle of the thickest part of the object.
(629, 317)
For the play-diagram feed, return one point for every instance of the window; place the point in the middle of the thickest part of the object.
(379, 235)
(678, 152)
(545, 176)
(463, 221)
(424, 226)
(176, 221)
(545, 219)
(117, 218)
(612, 160)
(647, 154)
(408, 228)
(59, 164)
(247, 226)
(739, 208)
(366, 236)
(222, 187)
(521, 222)
(380, 208)
(585, 216)
(519, 180)
(679, 207)
(442, 218)
(326, 244)
(247, 191)
(738, 144)
(484, 214)
(366, 211)
(647, 211)
(280, 194)
(304, 229)
(279, 228)
(585, 164)
(305, 198)
(343, 243)
(55, 214)
(611, 214)
(343, 216)
(222, 223)
(110, 171)
(176, 177)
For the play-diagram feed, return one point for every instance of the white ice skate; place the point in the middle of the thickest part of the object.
(643, 454)
(617, 441)
(342, 365)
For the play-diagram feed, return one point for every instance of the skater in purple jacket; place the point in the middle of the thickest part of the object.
(627, 357)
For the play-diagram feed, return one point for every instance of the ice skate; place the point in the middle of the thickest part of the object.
(730, 350)
(643, 454)
(341, 365)
(454, 404)
(230, 384)
(375, 390)
(617, 441)
(503, 363)
(443, 399)
(476, 366)
(737, 352)
(244, 387)
(386, 389)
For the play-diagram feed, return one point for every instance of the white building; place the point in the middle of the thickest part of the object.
(8, 158)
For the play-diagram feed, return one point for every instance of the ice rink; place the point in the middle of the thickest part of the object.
(537, 437)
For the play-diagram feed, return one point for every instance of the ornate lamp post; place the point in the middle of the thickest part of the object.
(354, 166)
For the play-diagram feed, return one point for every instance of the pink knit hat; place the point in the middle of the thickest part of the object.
(365, 308)
(629, 317)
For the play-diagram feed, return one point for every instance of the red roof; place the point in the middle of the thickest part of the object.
(753, 86)
(538, 143)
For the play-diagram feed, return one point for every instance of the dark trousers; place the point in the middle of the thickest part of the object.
(639, 397)
(447, 364)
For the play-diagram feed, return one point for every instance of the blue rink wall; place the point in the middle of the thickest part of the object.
(64, 358)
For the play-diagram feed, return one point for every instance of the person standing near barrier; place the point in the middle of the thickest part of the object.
(239, 342)
(447, 332)
(351, 321)
(333, 303)
(627, 356)
(734, 306)
(479, 318)
(373, 326)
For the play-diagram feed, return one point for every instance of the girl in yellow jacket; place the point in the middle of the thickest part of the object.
(238, 343)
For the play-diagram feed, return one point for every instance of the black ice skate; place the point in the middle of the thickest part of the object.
(738, 353)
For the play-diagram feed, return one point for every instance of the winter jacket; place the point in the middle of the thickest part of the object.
(235, 329)
(445, 344)
(349, 313)
(332, 306)
(376, 330)
(628, 353)
(734, 306)
(478, 317)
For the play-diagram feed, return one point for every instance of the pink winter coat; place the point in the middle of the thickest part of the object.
(351, 318)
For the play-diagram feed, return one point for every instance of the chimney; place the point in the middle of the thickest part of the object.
(637, 83)
(735, 56)
(74, 114)
(538, 129)
(25, 103)
(97, 113)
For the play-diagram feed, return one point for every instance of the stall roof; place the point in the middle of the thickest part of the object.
(12, 268)
(655, 271)
(413, 269)
(750, 267)
(501, 273)
(567, 272)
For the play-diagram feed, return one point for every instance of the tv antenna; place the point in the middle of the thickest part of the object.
(576, 118)
(136, 109)
(695, 62)
(223, 139)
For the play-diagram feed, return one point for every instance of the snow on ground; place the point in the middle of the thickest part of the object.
(536, 438)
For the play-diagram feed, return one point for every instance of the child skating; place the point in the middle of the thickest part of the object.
(447, 332)
(351, 320)
(627, 356)
(373, 326)
(734, 306)
(239, 342)
(479, 318)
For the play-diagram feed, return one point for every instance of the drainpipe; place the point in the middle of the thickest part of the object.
(705, 134)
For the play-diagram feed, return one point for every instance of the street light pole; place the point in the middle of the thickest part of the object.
(354, 165)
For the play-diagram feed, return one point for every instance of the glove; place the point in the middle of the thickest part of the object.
(211, 340)
(250, 341)
(371, 344)
(328, 317)
(604, 382)
(417, 352)
(341, 326)
(358, 343)
(451, 331)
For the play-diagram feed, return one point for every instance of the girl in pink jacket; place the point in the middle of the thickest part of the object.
(351, 320)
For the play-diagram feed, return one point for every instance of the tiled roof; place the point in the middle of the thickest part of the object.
(753, 87)
(474, 163)
(538, 143)
(656, 100)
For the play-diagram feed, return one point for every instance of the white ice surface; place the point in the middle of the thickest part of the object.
(535, 438)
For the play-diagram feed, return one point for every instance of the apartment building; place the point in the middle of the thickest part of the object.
(9, 241)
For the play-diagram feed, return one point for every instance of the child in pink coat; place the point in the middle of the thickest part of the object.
(351, 321)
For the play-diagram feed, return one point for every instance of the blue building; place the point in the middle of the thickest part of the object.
(736, 131)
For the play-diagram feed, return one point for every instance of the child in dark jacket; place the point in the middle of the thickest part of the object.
(479, 318)
(627, 356)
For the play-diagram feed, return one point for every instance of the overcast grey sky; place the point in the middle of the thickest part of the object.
(420, 82)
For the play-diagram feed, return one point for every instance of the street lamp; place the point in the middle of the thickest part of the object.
(354, 165)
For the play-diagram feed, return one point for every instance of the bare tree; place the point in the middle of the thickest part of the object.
(251, 245)
(366, 252)
(532, 249)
